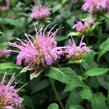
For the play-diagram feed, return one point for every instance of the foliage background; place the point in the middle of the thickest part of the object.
(65, 85)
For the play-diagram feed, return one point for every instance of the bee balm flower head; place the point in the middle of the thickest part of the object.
(4, 8)
(9, 99)
(94, 5)
(40, 12)
(81, 27)
(76, 52)
(40, 51)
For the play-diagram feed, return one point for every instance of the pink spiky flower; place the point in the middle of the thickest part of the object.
(9, 99)
(94, 5)
(4, 8)
(40, 12)
(76, 52)
(39, 51)
(82, 27)
(4, 52)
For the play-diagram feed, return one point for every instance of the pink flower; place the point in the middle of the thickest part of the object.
(41, 50)
(4, 52)
(90, 21)
(107, 3)
(81, 27)
(94, 5)
(40, 12)
(9, 99)
(76, 52)
(4, 8)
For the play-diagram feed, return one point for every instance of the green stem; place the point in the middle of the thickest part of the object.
(56, 93)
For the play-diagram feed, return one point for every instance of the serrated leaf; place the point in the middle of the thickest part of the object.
(104, 47)
(74, 83)
(89, 62)
(9, 65)
(96, 72)
(66, 74)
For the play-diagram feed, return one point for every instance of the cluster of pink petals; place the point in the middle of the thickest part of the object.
(4, 52)
(4, 8)
(27, 52)
(94, 5)
(76, 52)
(9, 99)
(41, 50)
(83, 26)
(40, 12)
(107, 3)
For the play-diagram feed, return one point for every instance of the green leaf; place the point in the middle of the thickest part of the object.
(73, 99)
(61, 38)
(66, 74)
(11, 21)
(86, 94)
(56, 8)
(40, 86)
(64, 1)
(96, 72)
(98, 102)
(95, 25)
(76, 107)
(89, 62)
(1, 33)
(28, 102)
(53, 106)
(15, 22)
(70, 21)
(104, 47)
(108, 99)
(104, 81)
(9, 65)
(74, 83)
